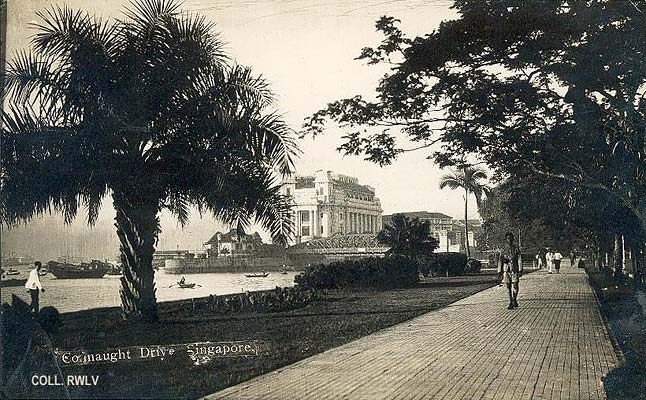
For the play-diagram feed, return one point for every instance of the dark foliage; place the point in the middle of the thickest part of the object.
(370, 272)
(533, 88)
(410, 237)
(279, 299)
(473, 266)
(149, 109)
(451, 264)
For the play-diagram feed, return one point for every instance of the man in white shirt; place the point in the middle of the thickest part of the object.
(557, 261)
(549, 258)
(34, 286)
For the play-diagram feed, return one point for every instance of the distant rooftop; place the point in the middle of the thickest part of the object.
(340, 181)
(422, 215)
(234, 236)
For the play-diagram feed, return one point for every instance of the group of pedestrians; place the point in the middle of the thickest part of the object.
(551, 259)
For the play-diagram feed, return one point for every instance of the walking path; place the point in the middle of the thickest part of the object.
(555, 346)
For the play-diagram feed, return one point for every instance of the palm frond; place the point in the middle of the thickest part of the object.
(179, 206)
(272, 140)
(43, 170)
(450, 181)
(34, 78)
(63, 33)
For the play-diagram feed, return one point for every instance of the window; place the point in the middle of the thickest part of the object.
(321, 229)
(289, 192)
(305, 230)
(305, 216)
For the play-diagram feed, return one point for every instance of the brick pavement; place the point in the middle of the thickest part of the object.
(554, 346)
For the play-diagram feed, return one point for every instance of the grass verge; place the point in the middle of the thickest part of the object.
(290, 336)
(624, 308)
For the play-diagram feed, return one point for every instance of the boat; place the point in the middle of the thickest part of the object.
(94, 269)
(13, 282)
(16, 261)
(257, 275)
(114, 270)
(186, 285)
(12, 271)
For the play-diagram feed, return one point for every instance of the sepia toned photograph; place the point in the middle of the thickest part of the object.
(308, 199)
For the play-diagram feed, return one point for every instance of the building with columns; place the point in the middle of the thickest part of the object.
(327, 204)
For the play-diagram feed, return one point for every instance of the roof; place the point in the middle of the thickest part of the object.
(353, 187)
(305, 182)
(422, 215)
(349, 241)
(232, 236)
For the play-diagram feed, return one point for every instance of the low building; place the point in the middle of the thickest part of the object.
(233, 243)
(327, 204)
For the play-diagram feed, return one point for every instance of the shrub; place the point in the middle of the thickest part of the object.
(493, 260)
(387, 272)
(425, 268)
(473, 266)
(451, 264)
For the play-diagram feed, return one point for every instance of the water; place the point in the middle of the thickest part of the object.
(81, 294)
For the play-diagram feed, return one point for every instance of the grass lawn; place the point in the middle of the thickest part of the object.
(624, 307)
(289, 336)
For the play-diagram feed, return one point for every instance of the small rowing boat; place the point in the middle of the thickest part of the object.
(257, 275)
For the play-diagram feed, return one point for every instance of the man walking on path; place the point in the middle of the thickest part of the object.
(510, 268)
(34, 286)
(549, 258)
(557, 261)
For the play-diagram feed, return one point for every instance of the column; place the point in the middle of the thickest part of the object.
(354, 222)
(346, 221)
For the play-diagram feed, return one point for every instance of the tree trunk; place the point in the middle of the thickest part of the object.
(619, 257)
(466, 225)
(137, 227)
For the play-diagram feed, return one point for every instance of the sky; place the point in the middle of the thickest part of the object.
(306, 50)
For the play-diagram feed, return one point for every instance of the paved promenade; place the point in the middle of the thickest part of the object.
(555, 346)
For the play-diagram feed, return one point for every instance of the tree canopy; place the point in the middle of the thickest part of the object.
(149, 109)
(550, 88)
(410, 237)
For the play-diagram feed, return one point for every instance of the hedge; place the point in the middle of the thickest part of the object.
(448, 263)
(473, 266)
(374, 272)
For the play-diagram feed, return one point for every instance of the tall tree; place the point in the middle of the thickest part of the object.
(147, 109)
(469, 179)
(408, 237)
(553, 87)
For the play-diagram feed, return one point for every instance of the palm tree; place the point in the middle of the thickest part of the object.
(408, 237)
(467, 178)
(148, 109)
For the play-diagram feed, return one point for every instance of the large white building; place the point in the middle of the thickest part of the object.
(327, 204)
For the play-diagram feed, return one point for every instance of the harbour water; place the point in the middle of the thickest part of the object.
(81, 294)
